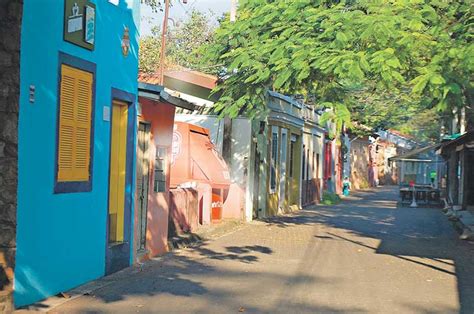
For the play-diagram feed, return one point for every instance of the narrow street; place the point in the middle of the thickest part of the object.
(364, 255)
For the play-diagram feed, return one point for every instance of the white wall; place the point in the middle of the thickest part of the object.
(215, 126)
(242, 161)
(241, 141)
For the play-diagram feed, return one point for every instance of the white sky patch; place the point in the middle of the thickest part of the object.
(180, 11)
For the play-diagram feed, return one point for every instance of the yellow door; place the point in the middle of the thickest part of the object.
(118, 156)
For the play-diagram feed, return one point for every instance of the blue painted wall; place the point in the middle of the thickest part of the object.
(61, 238)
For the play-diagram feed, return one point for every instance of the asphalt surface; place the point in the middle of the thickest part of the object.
(364, 255)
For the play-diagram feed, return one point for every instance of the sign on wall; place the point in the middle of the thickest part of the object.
(176, 146)
(79, 23)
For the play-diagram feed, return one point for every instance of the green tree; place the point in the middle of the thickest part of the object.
(373, 57)
(425, 126)
(184, 40)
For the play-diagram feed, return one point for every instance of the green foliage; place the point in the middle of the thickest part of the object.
(330, 199)
(149, 52)
(183, 45)
(381, 59)
(425, 126)
(154, 4)
(158, 5)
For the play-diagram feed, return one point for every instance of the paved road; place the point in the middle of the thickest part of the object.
(364, 255)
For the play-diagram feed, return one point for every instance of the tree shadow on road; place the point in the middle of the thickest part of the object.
(187, 282)
(422, 236)
(290, 220)
(249, 248)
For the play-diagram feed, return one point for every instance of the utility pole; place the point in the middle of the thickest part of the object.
(227, 136)
(163, 43)
(233, 10)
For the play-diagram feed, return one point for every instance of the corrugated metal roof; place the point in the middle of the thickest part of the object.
(413, 155)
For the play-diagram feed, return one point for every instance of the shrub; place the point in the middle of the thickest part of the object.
(330, 199)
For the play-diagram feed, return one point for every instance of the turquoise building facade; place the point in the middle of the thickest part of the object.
(68, 231)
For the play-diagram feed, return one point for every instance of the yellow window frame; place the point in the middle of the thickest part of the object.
(75, 124)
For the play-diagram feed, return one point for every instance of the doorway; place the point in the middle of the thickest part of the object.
(143, 184)
(283, 159)
(118, 229)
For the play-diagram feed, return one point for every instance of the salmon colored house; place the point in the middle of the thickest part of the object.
(197, 164)
(154, 156)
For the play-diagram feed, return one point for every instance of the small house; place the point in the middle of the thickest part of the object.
(154, 157)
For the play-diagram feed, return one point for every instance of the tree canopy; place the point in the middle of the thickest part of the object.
(184, 40)
(380, 60)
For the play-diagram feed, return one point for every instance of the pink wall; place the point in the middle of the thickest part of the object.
(233, 205)
(197, 164)
(161, 117)
(184, 210)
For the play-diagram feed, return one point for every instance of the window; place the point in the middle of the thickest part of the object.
(160, 166)
(74, 126)
(274, 156)
(314, 165)
(317, 167)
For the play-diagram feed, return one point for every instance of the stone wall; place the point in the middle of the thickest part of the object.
(10, 24)
(387, 171)
(360, 163)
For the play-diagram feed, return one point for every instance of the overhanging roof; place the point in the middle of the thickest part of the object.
(288, 99)
(193, 77)
(462, 142)
(157, 92)
(414, 155)
(185, 81)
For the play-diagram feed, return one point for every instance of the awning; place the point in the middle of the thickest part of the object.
(418, 155)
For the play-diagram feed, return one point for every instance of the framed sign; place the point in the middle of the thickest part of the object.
(79, 23)
(89, 30)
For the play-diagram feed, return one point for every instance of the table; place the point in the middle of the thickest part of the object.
(423, 195)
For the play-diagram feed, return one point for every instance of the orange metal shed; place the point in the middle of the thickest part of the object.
(195, 160)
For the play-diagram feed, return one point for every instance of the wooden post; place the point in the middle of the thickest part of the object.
(227, 141)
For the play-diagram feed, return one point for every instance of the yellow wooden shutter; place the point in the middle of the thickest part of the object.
(74, 125)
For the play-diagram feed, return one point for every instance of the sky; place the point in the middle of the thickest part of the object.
(180, 11)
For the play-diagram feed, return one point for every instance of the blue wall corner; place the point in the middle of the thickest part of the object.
(61, 237)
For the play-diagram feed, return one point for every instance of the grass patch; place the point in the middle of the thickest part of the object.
(330, 199)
